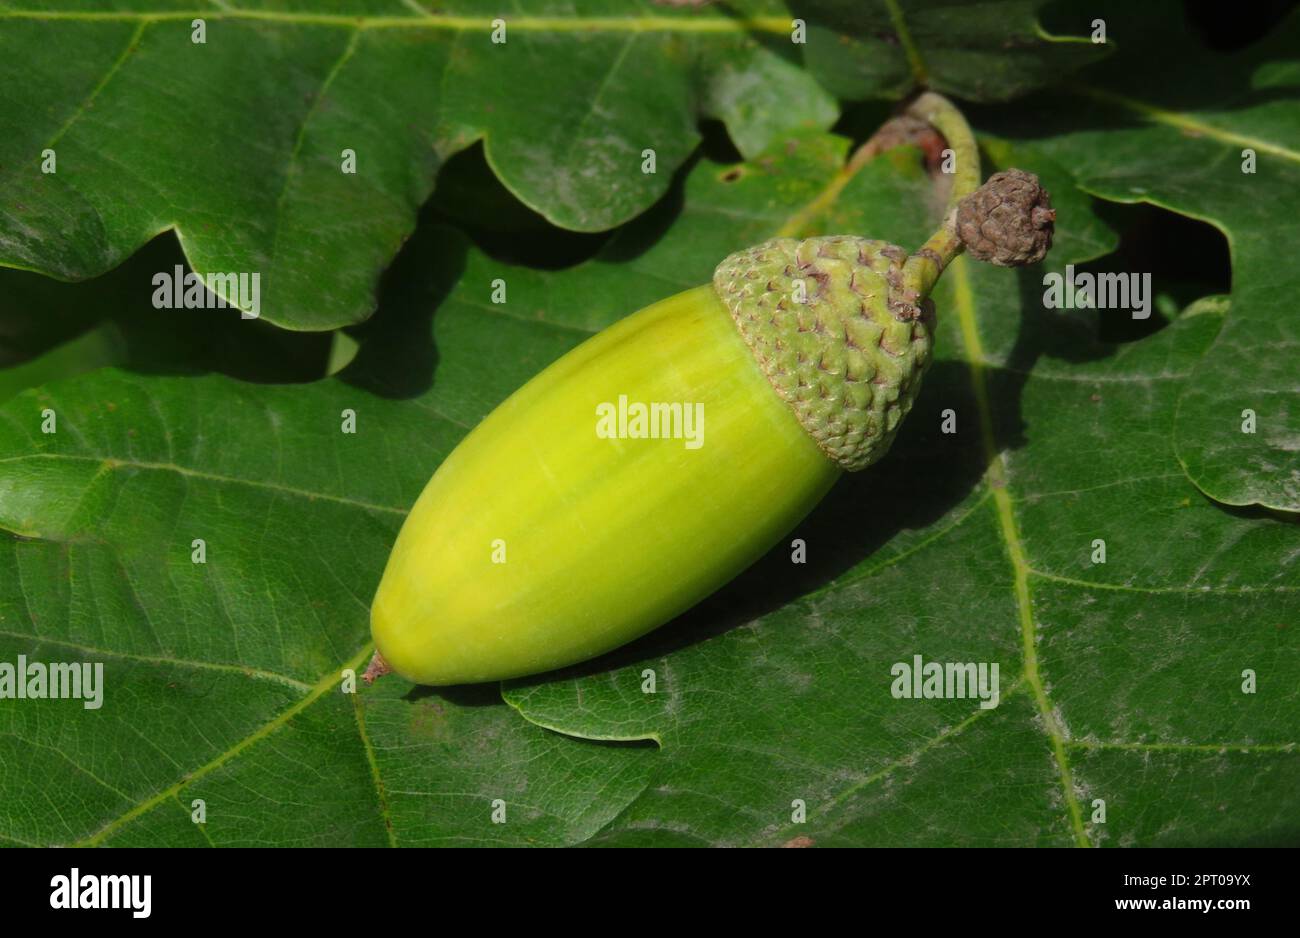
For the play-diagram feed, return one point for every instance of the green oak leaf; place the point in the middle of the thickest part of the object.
(1213, 138)
(237, 143)
(975, 51)
(240, 149)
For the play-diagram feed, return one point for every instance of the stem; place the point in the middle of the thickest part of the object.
(927, 262)
(943, 116)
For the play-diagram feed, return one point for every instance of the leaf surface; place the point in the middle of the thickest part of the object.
(238, 143)
(1216, 139)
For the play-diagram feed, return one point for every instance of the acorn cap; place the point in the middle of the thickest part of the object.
(836, 332)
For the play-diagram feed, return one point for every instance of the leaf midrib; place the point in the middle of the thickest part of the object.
(162, 660)
(328, 681)
(778, 25)
(995, 478)
(110, 463)
(1179, 121)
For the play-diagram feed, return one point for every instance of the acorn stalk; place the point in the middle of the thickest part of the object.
(565, 525)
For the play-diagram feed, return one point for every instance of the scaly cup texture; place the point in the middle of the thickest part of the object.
(838, 334)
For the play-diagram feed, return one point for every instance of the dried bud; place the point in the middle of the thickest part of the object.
(1007, 221)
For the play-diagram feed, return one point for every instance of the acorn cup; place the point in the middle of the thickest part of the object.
(661, 457)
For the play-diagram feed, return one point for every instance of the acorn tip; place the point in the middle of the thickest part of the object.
(377, 668)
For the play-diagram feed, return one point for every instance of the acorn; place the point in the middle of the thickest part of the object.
(657, 460)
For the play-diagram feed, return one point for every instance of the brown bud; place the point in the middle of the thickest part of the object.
(1007, 221)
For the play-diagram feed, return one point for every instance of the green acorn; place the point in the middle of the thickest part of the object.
(660, 458)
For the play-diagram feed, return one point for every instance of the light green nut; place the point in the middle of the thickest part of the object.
(540, 542)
